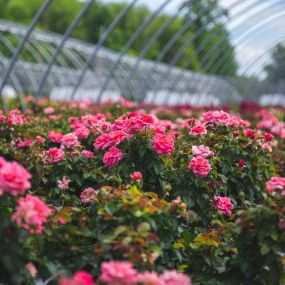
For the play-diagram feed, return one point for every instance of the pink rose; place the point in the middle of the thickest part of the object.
(55, 155)
(31, 213)
(118, 273)
(224, 204)
(136, 176)
(49, 110)
(216, 117)
(200, 166)
(172, 277)
(112, 157)
(69, 140)
(150, 278)
(202, 151)
(82, 133)
(163, 144)
(79, 278)
(55, 137)
(276, 183)
(88, 195)
(198, 130)
(87, 154)
(14, 178)
(63, 184)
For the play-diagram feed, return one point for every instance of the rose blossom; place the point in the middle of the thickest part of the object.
(224, 204)
(88, 195)
(79, 278)
(150, 278)
(172, 277)
(55, 137)
(49, 110)
(241, 163)
(87, 154)
(198, 130)
(32, 269)
(55, 155)
(200, 166)
(268, 137)
(276, 183)
(31, 213)
(163, 144)
(216, 117)
(136, 176)
(112, 157)
(202, 151)
(14, 178)
(118, 273)
(63, 184)
(69, 140)
(82, 133)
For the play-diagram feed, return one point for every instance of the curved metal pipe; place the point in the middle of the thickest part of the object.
(144, 25)
(20, 46)
(60, 46)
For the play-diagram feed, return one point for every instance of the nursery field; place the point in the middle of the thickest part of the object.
(130, 194)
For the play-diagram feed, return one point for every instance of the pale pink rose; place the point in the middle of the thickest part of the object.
(69, 140)
(79, 278)
(88, 195)
(224, 204)
(49, 110)
(15, 119)
(55, 137)
(202, 150)
(14, 178)
(40, 139)
(172, 277)
(163, 144)
(136, 176)
(55, 155)
(150, 278)
(63, 183)
(267, 146)
(82, 133)
(25, 143)
(200, 166)
(216, 117)
(237, 122)
(112, 157)
(198, 130)
(32, 269)
(87, 154)
(31, 213)
(118, 273)
(276, 183)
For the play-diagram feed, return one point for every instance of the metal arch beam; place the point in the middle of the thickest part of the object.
(184, 47)
(144, 25)
(99, 45)
(205, 42)
(148, 45)
(21, 45)
(60, 46)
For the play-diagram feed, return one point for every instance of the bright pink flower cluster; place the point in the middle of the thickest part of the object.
(15, 118)
(200, 166)
(63, 184)
(31, 213)
(69, 140)
(14, 178)
(111, 139)
(55, 137)
(88, 195)
(79, 278)
(224, 204)
(216, 117)
(25, 143)
(123, 273)
(87, 154)
(163, 144)
(202, 151)
(112, 157)
(198, 130)
(82, 132)
(55, 155)
(276, 184)
(136, 176)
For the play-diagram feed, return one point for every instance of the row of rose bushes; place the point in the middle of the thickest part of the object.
(127, 194)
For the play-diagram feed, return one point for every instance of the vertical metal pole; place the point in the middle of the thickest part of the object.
(60, 46)
(20, 46)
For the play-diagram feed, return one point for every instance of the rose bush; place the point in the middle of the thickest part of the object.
(140, 194)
